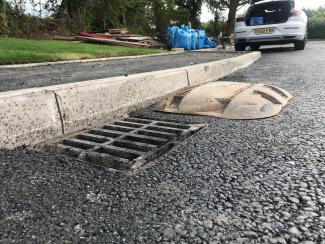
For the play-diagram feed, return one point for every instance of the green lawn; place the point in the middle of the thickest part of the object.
(19, 51)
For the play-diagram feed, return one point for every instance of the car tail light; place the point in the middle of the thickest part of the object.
(296, 13)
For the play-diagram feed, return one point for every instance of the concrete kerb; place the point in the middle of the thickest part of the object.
(212, 71)
(35, 115)
(28, 117)
(114, 97)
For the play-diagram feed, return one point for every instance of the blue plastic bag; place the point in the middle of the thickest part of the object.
(208, 43)
(187, 38)
(186, 28)
(171, 36)
(182, 39)
(200, 43)
(194, 39)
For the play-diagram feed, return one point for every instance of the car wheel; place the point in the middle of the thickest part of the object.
(240, 46)
(255, 47)
(300, 45)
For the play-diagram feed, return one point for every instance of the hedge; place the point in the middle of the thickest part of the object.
(316, 28)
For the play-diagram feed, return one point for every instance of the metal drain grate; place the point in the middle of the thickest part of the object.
(126, 144)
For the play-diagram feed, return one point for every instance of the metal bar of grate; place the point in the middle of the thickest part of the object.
(155, 134)
(128, 143)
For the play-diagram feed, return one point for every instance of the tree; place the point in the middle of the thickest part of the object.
(136, 16)
(160, 18)
(194, 7)
(3, 18)
(232, 6)
(96, 15)
(216, 7)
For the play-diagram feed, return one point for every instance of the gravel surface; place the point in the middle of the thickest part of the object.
(21, 78)
(234, 182)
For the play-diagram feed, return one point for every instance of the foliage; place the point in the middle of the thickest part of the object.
(214, 28)
(316, 28)
(316, 23)
(15, 22)
(320, 12)
(193, 7)
(3, 18)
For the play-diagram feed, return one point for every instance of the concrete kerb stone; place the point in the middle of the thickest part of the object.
(35, 115)
(212, 71)
(28, 117)
(95, 102)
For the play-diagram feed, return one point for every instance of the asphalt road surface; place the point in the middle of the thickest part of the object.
(40, 76)
(257, 181)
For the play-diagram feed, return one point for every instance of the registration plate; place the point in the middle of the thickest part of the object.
(264, 31)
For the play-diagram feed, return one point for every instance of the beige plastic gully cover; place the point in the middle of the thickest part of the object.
(229, 100)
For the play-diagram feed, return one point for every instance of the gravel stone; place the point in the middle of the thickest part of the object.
(278, 240)
(208, 224)
(169, 233)
(250, 234)
(294, 200)
(322, 201)
(294, 231)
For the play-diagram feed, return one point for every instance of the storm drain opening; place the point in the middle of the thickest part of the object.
(126, 144)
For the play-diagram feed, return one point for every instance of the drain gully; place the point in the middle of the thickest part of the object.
(126, 144)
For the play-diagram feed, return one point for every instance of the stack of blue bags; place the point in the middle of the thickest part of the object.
(189, 39)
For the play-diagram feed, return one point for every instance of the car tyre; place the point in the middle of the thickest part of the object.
(255, 47)
(300, 45)
(240, 46)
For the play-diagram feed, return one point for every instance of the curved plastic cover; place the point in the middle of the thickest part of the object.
(228, 100)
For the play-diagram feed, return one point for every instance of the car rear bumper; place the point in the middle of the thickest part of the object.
(274, 39)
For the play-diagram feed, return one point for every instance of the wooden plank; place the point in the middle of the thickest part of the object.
(118, 35)
(118, 31)
(114, 42)
(134, 39)
(66, 38)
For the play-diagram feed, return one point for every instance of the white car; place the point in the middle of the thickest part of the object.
(271, 22)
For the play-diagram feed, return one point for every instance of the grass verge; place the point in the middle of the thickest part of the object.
(20, 51)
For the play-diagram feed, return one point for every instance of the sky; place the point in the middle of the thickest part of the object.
(206, 15)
